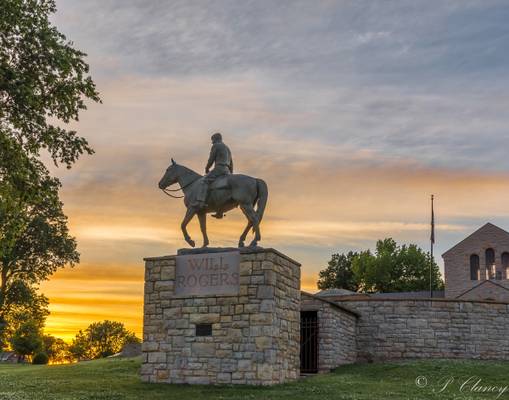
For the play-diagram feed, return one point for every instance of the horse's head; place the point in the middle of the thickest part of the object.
(170, 176)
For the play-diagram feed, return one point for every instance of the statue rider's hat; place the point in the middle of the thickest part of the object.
(217, 137)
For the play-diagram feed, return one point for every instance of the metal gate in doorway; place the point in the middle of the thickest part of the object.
(309, 342)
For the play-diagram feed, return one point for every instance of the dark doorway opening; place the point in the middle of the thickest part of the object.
(309, 342)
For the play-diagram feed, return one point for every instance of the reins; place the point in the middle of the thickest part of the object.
(167, 191)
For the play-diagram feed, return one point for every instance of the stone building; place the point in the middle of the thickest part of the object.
(477, 268)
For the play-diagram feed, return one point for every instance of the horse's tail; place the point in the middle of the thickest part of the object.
(261, 200)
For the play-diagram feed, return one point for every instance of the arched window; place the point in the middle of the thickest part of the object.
(505, 264)
(474, 267)
(490, 263)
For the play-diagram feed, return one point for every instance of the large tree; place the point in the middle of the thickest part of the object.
(394, 268)
(101, 339)
(338, 273)
(44, 84)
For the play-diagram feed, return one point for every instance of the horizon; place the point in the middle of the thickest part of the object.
(354, 113)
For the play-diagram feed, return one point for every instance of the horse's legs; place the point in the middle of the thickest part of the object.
(252, 216)
(189, 215)
(244, 234)
(202, 217)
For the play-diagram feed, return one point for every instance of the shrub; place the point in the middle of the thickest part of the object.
(40, 358)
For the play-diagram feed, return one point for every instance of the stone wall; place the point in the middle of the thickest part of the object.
(336, 332)
(255, 334)
(406, 329)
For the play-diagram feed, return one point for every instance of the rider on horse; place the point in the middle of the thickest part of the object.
(248, 193)
(221, 158)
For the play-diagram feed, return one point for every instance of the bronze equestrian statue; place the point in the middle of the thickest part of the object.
(218, 191)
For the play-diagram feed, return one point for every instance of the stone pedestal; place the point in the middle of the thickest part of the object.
(249, 336)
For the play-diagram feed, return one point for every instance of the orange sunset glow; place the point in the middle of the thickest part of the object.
(350, 152)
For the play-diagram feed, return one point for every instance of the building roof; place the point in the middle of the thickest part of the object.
(7, 355)
(344, 293)
(334, 292)
(422, 294)
(333, 304)
(485, 227)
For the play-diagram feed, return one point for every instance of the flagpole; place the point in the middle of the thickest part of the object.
(432, 240)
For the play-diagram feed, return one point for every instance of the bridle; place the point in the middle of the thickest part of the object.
(167, 192)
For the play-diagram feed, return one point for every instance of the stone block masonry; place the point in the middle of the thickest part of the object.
(408, 329)
(255, 336)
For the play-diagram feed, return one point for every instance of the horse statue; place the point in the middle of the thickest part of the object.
(225, 193)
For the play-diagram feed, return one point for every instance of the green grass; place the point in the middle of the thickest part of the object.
(117, 379)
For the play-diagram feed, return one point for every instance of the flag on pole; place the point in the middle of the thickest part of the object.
(432, 222)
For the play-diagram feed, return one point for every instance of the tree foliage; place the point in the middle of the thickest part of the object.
(43, 81)
(101, 339)
(27, 339)
(23, 304)
(392, 268)
(56, 350)
(338, 273)
(40, 358)
(34, 238)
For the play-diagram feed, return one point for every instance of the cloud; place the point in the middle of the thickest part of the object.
(174, 117)
(221, 37)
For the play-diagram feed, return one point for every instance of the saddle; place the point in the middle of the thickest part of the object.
(221, 182)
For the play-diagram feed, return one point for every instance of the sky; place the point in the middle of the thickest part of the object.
(353, 112)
